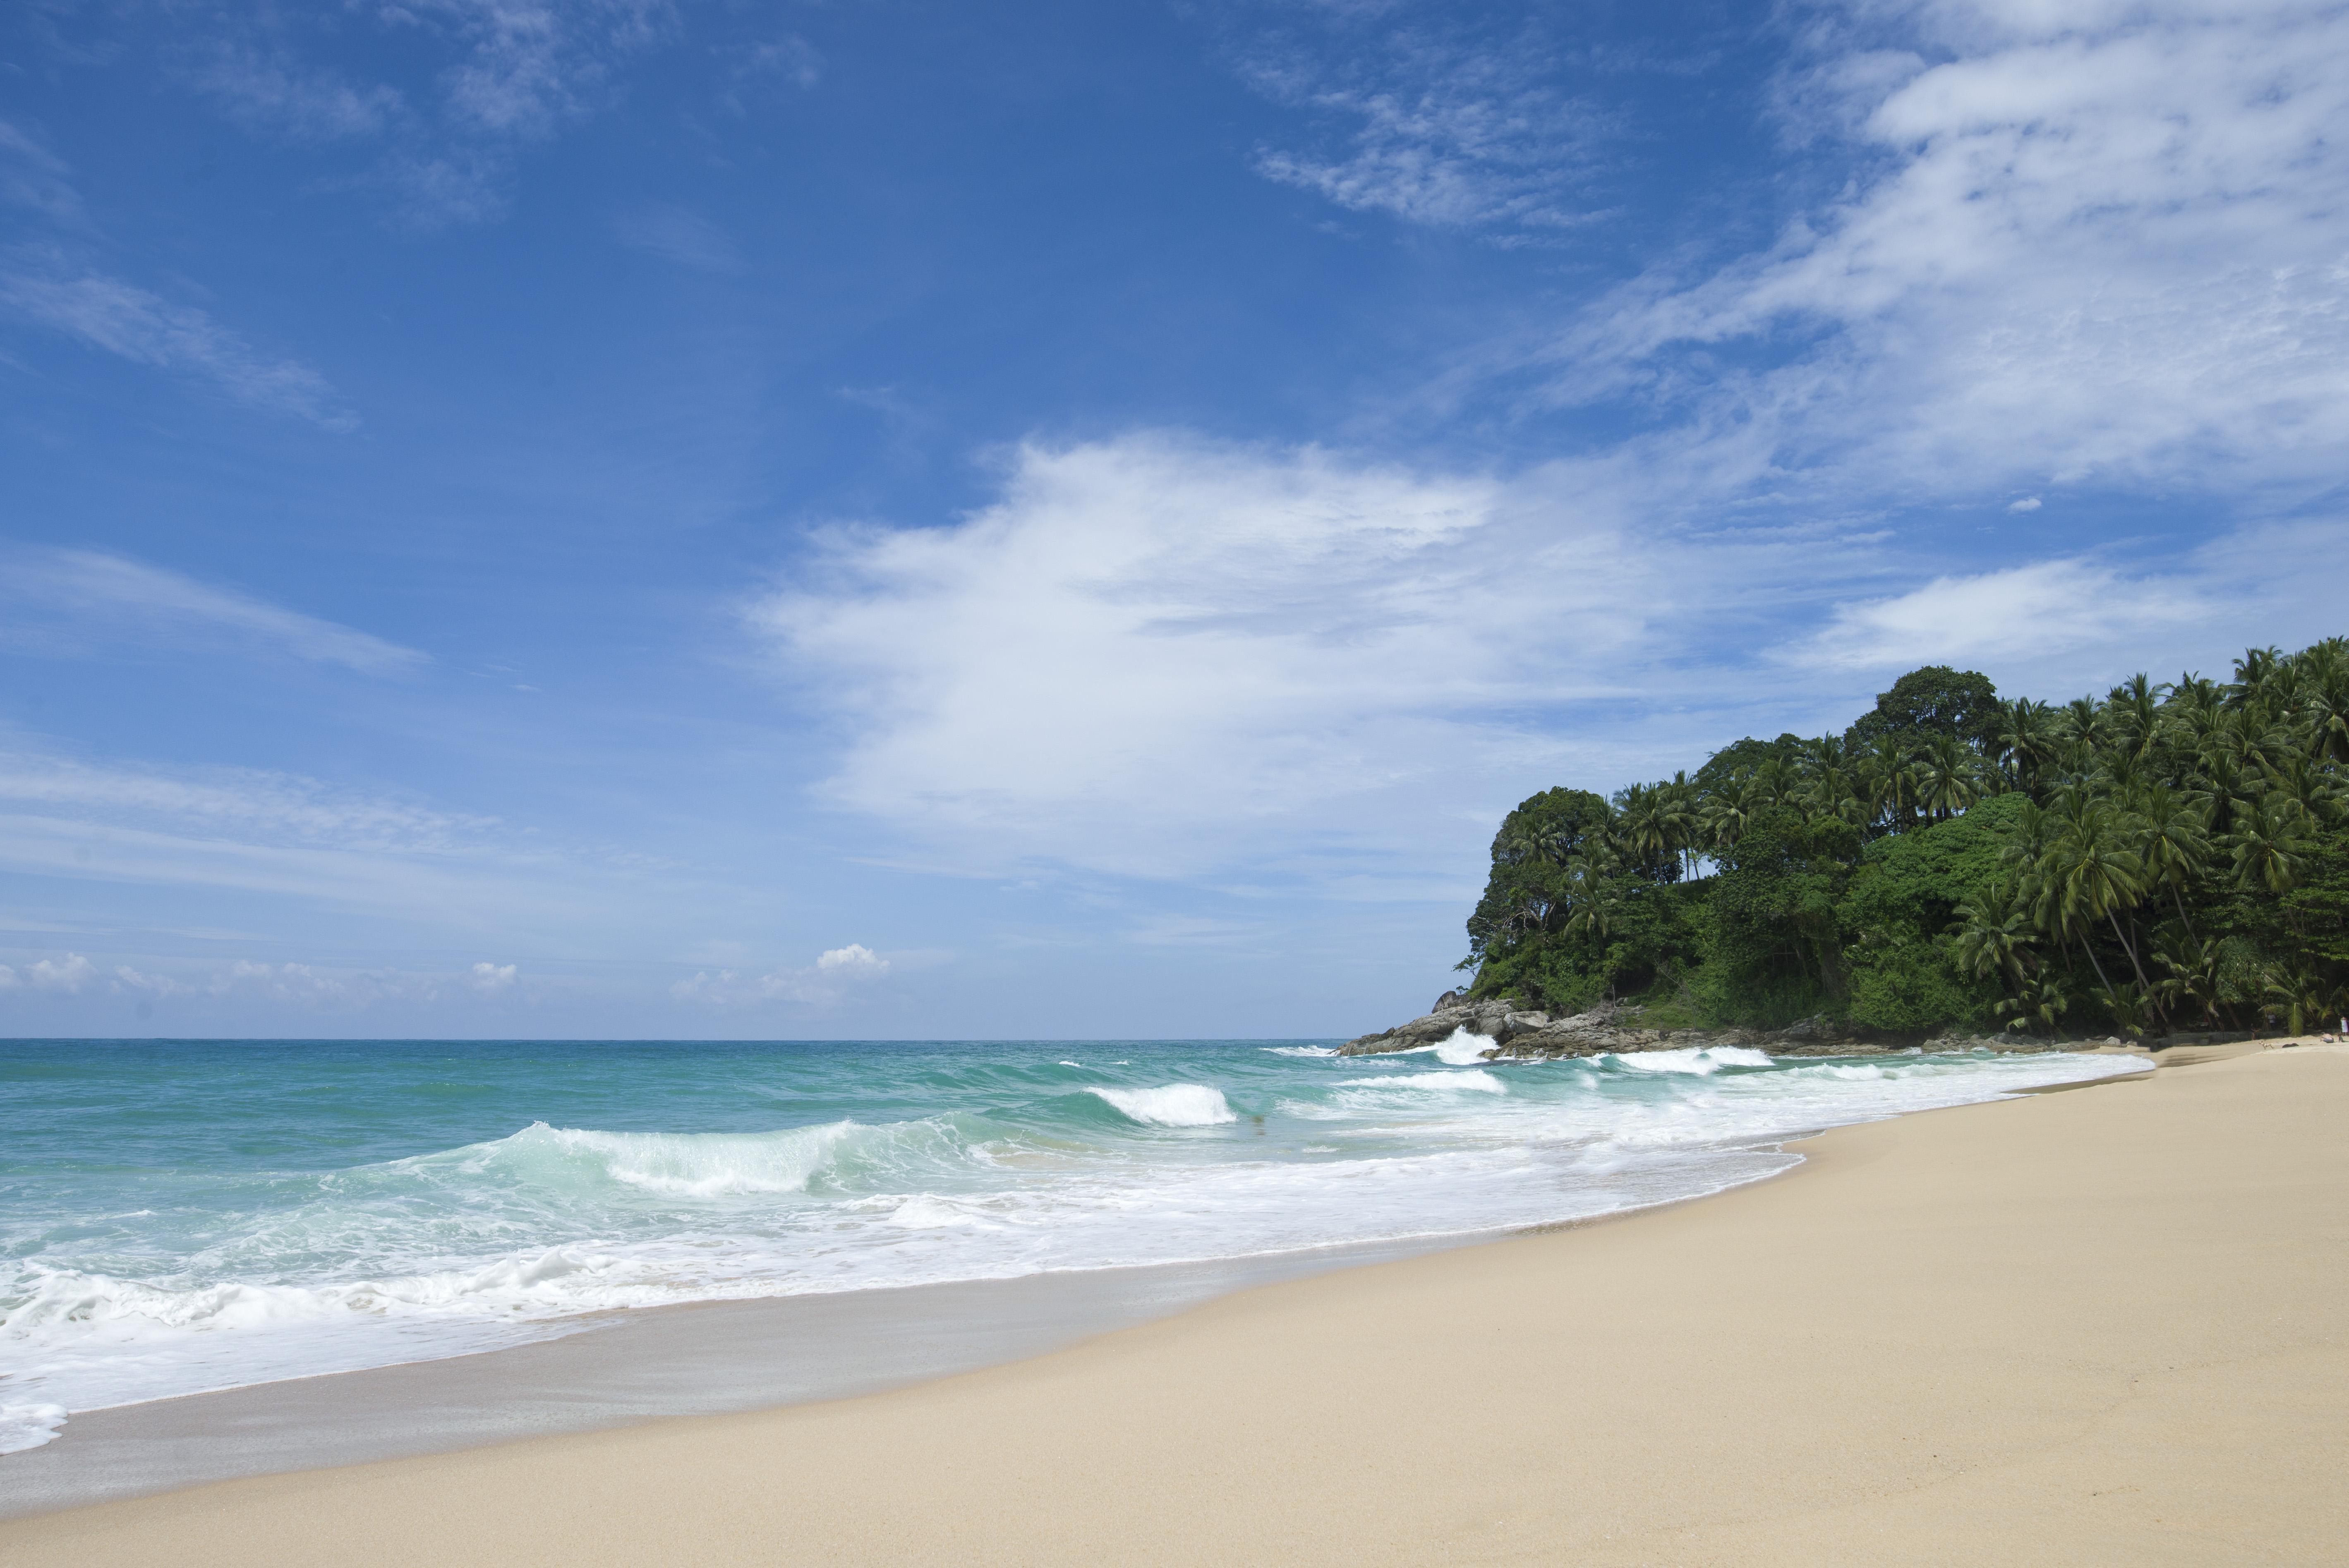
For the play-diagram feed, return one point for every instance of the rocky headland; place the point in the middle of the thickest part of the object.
(1520, 1033)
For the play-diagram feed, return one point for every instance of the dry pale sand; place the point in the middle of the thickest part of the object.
(2104, 1327)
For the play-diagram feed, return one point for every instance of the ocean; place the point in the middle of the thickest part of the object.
(179, 1216)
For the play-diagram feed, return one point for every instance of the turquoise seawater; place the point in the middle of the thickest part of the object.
(183, 1215)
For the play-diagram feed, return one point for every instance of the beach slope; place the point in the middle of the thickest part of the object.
(2101, 1326)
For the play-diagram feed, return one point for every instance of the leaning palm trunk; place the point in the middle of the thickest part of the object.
(2102, 979)
(2129, 947)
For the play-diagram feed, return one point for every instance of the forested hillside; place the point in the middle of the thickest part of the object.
(2165, 858)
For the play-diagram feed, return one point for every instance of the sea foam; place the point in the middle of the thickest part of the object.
(25, 1427)
(1171, 1105)
(1472, 1081)
(1700, 1059)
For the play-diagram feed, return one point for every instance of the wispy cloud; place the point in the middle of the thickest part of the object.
(1454, 134)
(678, 235)
(788, 58)
(124, 319)
(509, 73)
(263, 807)
(266, 87)
(53, 283)
(32, 177)
(2087, 247)
(141, 602)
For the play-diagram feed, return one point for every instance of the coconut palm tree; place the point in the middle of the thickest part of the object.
(2270, 842)
(2040, 1002)
(2024, 738)
(2173, 842)
(1947, 777)
(1993, 936)
(2133, 716)
(2192, 968)
(1887, 774)
(2304, 992)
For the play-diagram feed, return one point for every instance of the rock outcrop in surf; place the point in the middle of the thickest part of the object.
(1520, 1033)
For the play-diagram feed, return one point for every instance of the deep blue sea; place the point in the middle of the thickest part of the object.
(178, 1216)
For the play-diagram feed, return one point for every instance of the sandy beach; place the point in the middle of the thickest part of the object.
(2101, 1326)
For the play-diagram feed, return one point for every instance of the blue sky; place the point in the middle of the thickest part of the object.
(903, 520)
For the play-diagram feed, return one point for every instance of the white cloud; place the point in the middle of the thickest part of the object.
(491, 978)
(836, 974)
(2028, 503)
(2019, 612)
(69, 973)
(2048, 625)
(1155, 651)
(124, 319)
(147, 602)
(1441, 134)
(2106, 246)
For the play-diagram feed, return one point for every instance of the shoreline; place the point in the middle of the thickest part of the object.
(1831, 1350)
(622, 1367)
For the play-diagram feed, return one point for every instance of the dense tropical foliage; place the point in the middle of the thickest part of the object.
(2167, 858)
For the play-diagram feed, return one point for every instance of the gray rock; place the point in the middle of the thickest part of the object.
(1489, 1016)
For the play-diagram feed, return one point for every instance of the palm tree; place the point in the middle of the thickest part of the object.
(1889, 775)
(2270, 840)
(2221, 785)
(2084, 720)
(1992, 935)
(2133, 714)
(2173, 842)
(1947, 777)
(2087, 872)
(2326, 698)
(2192, 968)
(1591, 896)
(2040, 1002)
(2253, 672)
(1676, 813)
(2306, 992)
(2024, 738)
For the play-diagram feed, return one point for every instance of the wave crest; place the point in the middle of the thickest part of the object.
(1170, 1105)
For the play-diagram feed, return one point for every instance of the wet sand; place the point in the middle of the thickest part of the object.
(2096, 1328)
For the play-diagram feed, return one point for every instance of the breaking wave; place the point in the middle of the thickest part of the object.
(1170, 1105)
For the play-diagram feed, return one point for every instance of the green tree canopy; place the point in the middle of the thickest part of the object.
(1934, 700)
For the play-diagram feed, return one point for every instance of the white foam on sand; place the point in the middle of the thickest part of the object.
(25, 1427)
